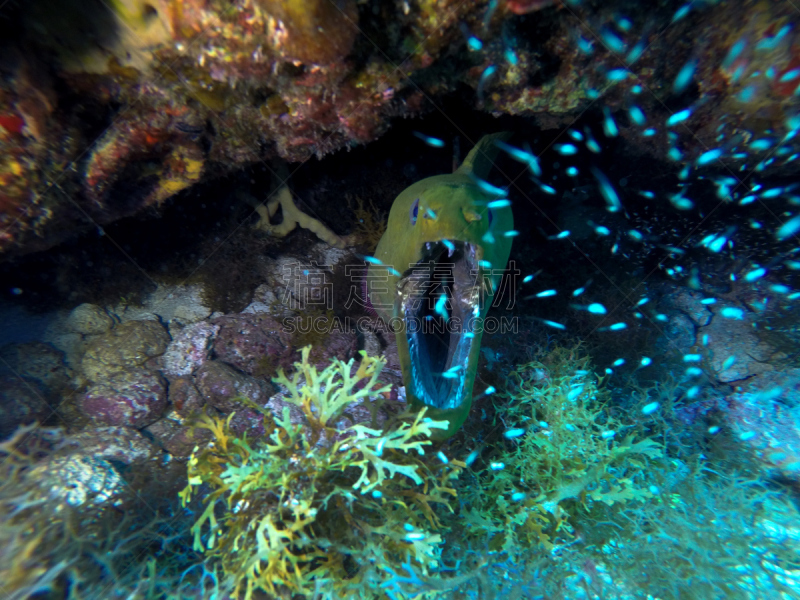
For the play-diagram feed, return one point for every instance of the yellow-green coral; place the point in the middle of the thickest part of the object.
(310, 507)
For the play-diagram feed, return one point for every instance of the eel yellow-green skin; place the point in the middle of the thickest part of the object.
(459, 212)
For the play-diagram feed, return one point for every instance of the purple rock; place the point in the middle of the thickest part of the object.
(256, 344)
(190, 349)
(185, 397)
(178, 438)
(224, 388)
(134, 398)
(337, 344)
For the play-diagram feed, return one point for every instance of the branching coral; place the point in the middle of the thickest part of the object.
(311, 507)
(292, 218)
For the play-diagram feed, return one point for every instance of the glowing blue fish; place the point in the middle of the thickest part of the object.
(636, 114)
(609, 125)
(591, 143)
(684, 77)
(709, 157)
(431, 141)
(679, 117)
(789, 228)
(612, 40)
(608, 192)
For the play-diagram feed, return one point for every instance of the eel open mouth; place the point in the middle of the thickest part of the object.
(439, 299)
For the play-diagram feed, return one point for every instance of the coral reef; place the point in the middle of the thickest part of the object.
(175, 93)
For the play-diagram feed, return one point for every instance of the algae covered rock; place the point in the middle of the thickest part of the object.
(21, 403)
(224, 388)
(129, 345)
(255, 343)
(77, 480)
(89, 319)
(177, 438)
(120, 444)
(133, 398)
(190, 349)
(39, 362)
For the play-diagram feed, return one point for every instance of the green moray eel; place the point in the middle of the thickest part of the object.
(434, 276)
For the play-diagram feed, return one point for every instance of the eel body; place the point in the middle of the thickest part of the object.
(434, 277)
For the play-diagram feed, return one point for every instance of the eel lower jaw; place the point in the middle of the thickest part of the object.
(439, 299)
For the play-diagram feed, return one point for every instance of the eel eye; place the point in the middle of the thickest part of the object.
(489, 216)
(414, 212)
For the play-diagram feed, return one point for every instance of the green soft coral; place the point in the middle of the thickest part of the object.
(312, 506)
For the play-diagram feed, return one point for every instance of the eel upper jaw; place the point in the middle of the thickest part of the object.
(440, 333)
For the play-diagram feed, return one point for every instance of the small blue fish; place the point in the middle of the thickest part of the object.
(709, 157)
(762, 144)
(609, 125)
(747, 94)
(513, 433)
(624, 23)
(637, 116)
(566, 149)
(591, 143)
(612, 40)
(585, 45)
(636, 52)
(431, 141)
(485, 76)
(613, 203)
(499, 203)
(679, 117)
(511, 56)
(755, 274)
(490, 10)
(734, 53)
(681, 12)
(524, 156)
(770, 43)
(489, 189)
(684, 77)
(440, 307)
(789, 228)
(553, 324)
(546, 188)
(617, 75)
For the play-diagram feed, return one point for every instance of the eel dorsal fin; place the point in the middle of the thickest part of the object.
(480, 159)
